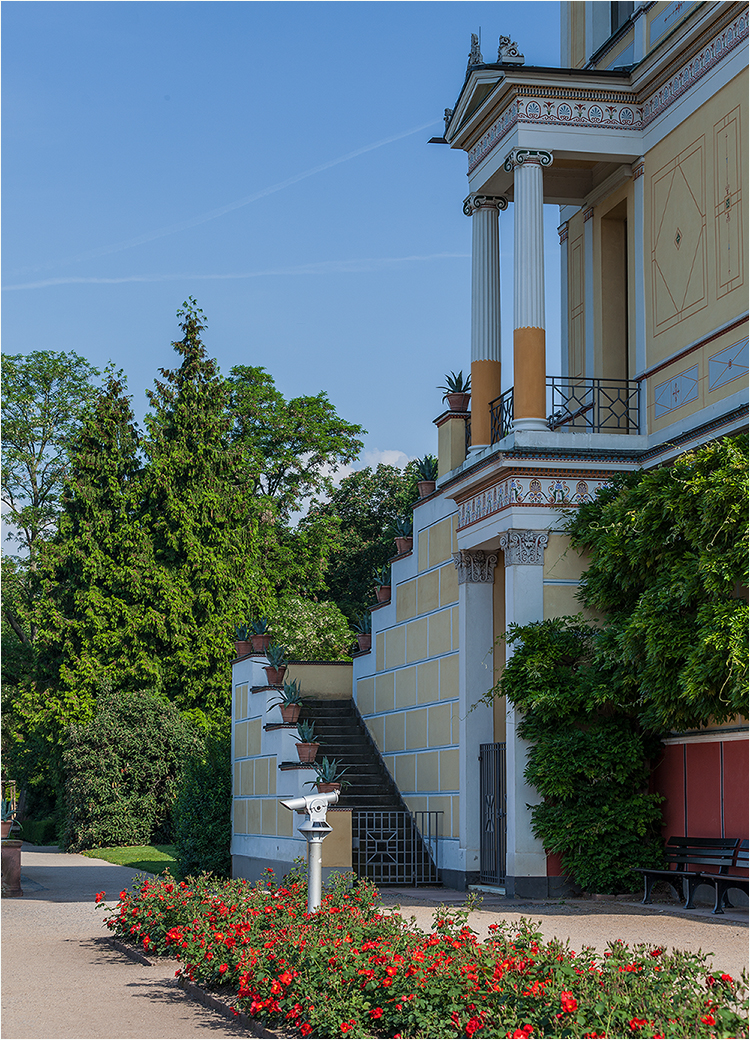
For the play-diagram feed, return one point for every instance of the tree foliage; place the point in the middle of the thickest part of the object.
(311, 631)
(203, 808)
(366, 505)
(668, 566)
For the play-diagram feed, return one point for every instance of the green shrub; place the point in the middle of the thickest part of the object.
(309, 630)
(40, 832)
(202, 814)
(123, 770)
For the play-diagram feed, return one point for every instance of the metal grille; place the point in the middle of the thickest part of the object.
(467, 439)
(501, 416)
(594, 405)
(492, 842)
(392, 847)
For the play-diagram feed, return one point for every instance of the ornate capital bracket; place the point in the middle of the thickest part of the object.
(524, 547)
(519, 156)
(475, 566)
(474, 202)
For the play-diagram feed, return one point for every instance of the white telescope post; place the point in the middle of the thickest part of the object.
(314, 830)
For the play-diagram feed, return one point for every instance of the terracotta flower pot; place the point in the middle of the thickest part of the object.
(323, 788)
(383, 592)
(364, 641)
(425, 488)
(307, 752)
(290, 712)
(261, 642)
(242, 647)
(275, 675)
(404, 545)
(6, 826)
(458, 402)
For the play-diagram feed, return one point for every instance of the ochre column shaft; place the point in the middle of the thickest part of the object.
(529, 391)
(485, 387)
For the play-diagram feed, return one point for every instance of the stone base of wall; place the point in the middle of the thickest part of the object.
(552, 887)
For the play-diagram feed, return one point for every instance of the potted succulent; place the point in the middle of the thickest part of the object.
(363, 628)
(8, 814)
(382, 577)
(404, 539)
(427, 468)
(242, 644)
(457, 391)
(260, 637)
(329, 774)
(277, 663)
(289, 702)
(307, 748)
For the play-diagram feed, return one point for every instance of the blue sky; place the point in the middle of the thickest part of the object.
(269, 159)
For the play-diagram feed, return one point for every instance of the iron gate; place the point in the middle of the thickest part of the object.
(392, 847)
(492, 842)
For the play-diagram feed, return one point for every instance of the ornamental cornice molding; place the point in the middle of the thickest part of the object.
(473, 203)
(519, 489)
(475, 566)
(524, 548)
(602, 109)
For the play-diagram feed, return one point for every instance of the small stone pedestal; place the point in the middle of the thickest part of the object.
(11, 867)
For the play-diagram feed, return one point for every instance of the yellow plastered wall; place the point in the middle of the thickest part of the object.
(336, 851)
(696, 216)
(576, 297)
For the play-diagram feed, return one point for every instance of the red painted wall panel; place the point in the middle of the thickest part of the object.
(703, 771)
(668, 779)
(736, 788)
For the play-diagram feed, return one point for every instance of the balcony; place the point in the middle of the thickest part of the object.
(578, 405)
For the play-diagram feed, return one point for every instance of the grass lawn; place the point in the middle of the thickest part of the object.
(153, 858)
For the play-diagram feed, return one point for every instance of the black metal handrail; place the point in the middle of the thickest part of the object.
(501, 416)
(595, 405)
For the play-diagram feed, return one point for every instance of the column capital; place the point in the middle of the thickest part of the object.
(474, 202)
(519, 156)
(475, 565)
(524, 547)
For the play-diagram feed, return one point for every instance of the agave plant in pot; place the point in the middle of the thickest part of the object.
(404, 537)
(363, 629)
(289, 702)
(329, 775)
(382, 578)
(307, 747)
(242, 644)
(277, 664)
(457, 391)
(8, 814)
(260, 636)
(427, 469)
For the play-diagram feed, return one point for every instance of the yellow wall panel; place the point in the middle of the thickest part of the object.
(427, 682)
(456, 818)
(247, 773)
(366, 696)
(405, 687)
(287, 823)
(454, 628)
(384, 692)
(561, 562)
(240, 816)
(428, 592)
(268, 816)
(240, 740)
(404, 774)
(376, 728)
(448, 585)
(416, 640)
(454, 533)
(395, 647)
(560, 600)
(273, 769)
(427, 771)
(261, 776)
(379, 651)
(440, 542)
(439, 724)
(394, 732)
(236, 784)
(441, 803)
(454, 722)
(448, 677)
(337, 848)
(406, 600)
(416, 803)
(449, 770)
(423, 556)
(254, 730)
(440, 633)
(253, 816)
(416, 728)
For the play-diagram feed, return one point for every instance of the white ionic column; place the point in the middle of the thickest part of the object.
(526, 860)
(529, 375)
(639, 278)
(485, 310)
(476, 676)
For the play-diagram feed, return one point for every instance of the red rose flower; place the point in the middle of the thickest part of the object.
(568, 1001)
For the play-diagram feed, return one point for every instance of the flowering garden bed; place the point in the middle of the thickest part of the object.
(352, 970)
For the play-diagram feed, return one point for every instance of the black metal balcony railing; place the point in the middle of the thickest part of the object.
(593, 405)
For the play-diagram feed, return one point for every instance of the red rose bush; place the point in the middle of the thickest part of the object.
(355, 970)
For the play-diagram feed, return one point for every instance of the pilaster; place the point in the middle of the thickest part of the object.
(475, 584)
(526, 861)
(639, 276)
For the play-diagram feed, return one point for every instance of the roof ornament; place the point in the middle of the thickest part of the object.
(447, 116)
(475, 55)
(508, 53)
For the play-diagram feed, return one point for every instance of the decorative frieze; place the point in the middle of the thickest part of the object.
(563, 232)
(588, 214)
(565, 489)
(603, 109)
(474, 202)
(638, 169)
(525, 548)
(475, 566)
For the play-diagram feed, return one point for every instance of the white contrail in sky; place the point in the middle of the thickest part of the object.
(171, 229)
(322, 267)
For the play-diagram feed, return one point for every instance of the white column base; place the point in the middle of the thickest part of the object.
(530, 424)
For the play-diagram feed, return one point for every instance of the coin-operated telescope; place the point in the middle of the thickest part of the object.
(314, 829)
